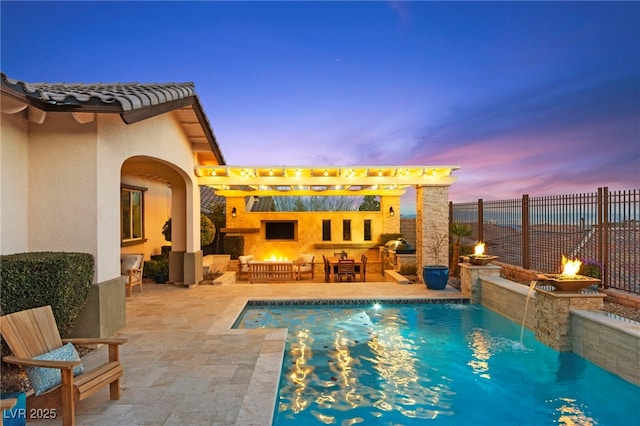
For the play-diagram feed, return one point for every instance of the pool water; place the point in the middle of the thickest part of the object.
(444, 364)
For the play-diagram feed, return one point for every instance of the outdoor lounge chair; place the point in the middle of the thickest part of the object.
(304, 264)
(131, 267)
(244, 265)
(34, 340)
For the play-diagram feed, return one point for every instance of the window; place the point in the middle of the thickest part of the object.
(280, 230)
(326, 230)
(346, 230)
(132, 208)
(367, 229)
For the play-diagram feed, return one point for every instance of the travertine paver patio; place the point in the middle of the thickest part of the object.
(185, 366)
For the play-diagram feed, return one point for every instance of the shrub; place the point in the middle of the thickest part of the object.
(156, 266)
(234, 245)
(207, 230)
(62, 280)
(408, 270)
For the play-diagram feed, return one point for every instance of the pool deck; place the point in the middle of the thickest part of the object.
(185, 365)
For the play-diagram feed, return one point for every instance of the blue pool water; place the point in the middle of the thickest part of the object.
(443, 364)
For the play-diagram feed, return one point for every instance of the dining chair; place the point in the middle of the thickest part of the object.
(327, 269)
(346, 269)
(363, 268)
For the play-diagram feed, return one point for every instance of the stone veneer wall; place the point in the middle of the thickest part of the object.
(553, 315)
(608, 342)
(432, 219)
(508, 299)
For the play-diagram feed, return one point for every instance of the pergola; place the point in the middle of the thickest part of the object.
(389, 182)
(238, 181)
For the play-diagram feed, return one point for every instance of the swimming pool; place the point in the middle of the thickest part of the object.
(431, 364)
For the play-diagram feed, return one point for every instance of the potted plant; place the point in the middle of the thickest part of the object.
(157, 269)
(436, 276)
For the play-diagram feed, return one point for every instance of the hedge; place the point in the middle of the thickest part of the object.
(62, 280)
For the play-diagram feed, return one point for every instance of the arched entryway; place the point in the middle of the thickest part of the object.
(166, 192)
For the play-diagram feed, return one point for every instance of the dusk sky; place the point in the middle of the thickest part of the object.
(535, 98)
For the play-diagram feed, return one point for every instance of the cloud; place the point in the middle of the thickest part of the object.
(544, 139)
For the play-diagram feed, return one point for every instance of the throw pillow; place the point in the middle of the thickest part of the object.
(42, 379)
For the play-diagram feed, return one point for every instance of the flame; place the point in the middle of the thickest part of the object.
(570, 267)
(479, 249)
(275, 258)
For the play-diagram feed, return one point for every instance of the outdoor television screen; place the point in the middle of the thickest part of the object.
(282, 230)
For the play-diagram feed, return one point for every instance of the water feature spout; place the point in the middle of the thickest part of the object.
(532, 286)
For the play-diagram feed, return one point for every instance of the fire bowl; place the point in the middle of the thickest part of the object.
(482, 259)
(573, 283)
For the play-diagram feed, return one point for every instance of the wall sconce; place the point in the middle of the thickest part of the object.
(391, 211)
(233, 212)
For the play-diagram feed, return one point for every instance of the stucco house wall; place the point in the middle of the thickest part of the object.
(61, 184)
(161, 148)
(14, 182)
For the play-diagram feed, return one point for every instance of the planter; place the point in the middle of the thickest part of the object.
(160, 278)
(435, 277)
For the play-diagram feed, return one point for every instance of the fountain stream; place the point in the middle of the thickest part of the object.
(526, 305)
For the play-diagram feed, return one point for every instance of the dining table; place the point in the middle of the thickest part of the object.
(333, 263)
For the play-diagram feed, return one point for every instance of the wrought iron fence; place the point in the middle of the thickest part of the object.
(534, 232)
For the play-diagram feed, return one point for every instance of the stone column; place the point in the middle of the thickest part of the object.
(432, 220)
(470, 276)
(553, 315)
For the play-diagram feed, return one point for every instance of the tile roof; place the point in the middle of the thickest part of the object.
(133, 101)
(207, 196)
(128, 96)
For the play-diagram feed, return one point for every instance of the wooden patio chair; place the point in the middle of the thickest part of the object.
(131, 267)
(305, 264)
(243, 266)
(362, 269)
(327, 269)
(33, 337)
(346, 269)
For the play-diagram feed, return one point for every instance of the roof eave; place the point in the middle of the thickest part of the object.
(17, 91)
